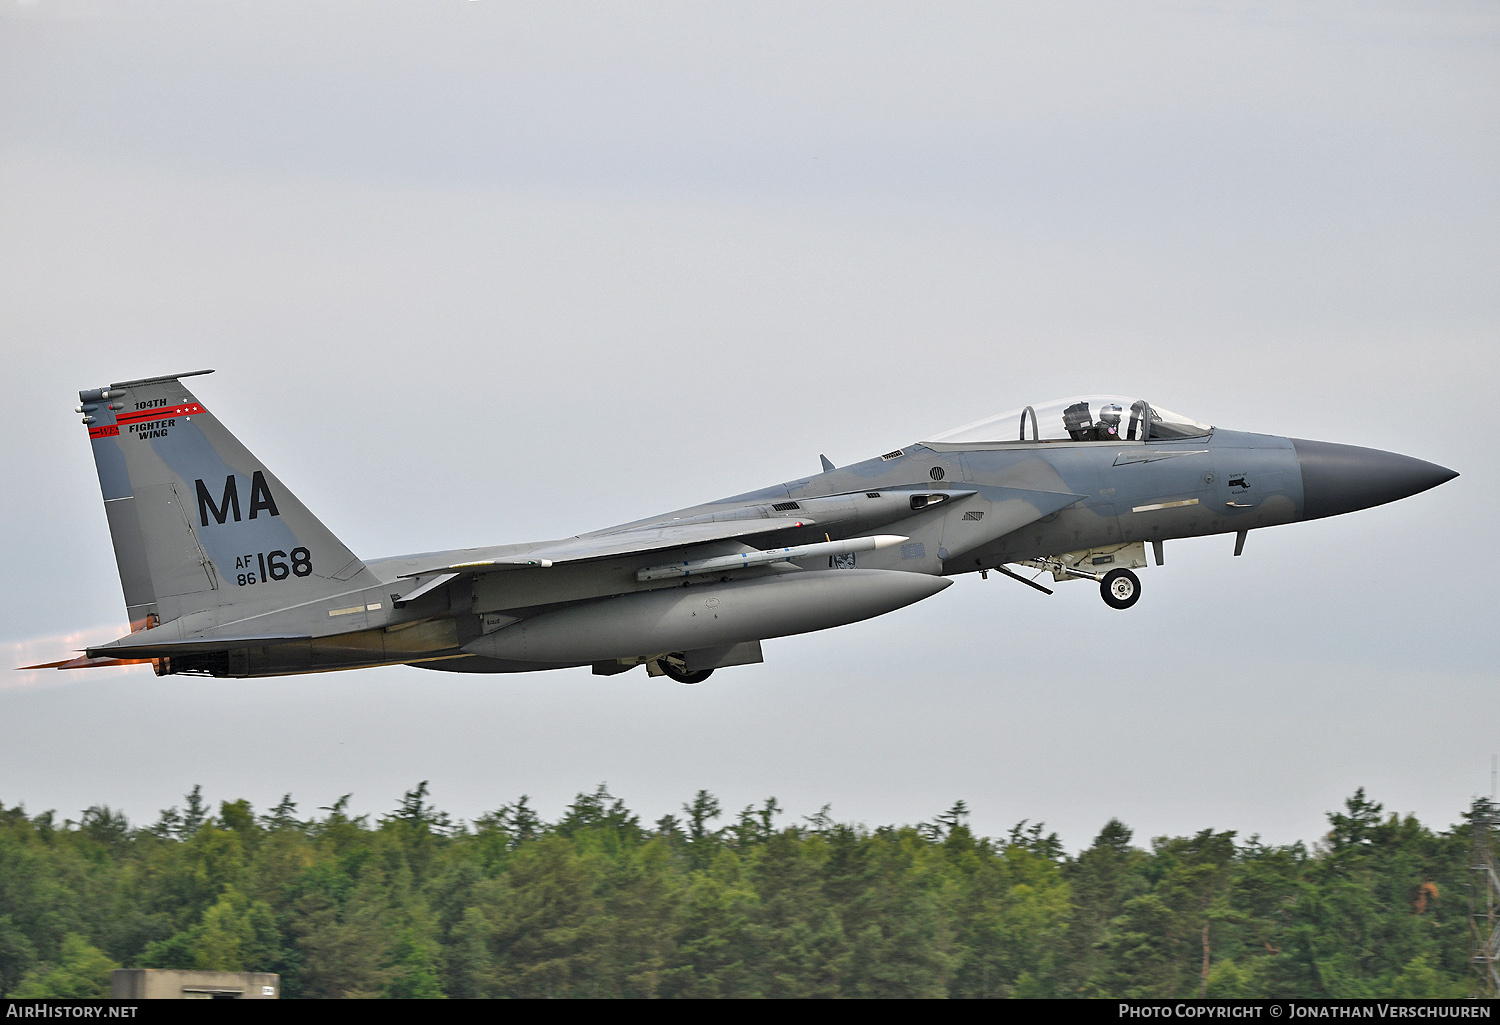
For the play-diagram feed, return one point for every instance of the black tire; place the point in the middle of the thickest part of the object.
(1120, 588)
(682, 675)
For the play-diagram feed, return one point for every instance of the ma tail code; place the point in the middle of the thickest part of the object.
(260, 498)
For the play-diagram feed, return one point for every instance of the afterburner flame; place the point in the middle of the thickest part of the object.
(51, 648)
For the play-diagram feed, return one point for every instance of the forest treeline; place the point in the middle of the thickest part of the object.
(599, 904)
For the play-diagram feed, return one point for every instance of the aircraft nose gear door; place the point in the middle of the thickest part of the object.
(1120, 588)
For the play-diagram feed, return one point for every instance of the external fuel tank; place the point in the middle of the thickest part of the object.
(708, 615)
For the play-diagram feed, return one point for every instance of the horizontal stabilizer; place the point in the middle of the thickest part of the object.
(84, 662)
(140, 645)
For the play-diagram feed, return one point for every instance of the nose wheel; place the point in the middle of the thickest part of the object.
(1120, 588)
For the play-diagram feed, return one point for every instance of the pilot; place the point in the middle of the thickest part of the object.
(1108, 427)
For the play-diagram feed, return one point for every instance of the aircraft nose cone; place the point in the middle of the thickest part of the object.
(1342, 478)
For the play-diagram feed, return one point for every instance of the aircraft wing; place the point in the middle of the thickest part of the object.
(648, 537)
(642, 538)
(651, 537)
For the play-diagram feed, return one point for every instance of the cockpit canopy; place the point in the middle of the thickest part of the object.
(1080, 418)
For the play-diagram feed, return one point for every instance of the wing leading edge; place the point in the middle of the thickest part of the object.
(648, 538)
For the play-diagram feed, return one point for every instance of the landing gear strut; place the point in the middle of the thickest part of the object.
(1120, 588)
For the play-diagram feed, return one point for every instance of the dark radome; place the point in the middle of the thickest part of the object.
(1342, 478)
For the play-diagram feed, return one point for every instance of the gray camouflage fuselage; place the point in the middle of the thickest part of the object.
(226, 573)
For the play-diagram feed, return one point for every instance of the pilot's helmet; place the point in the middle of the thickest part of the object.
(1109, 414)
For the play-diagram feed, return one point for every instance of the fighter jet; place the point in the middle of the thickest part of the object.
(227, 574)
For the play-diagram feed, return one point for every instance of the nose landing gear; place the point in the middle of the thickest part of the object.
(1120, 588)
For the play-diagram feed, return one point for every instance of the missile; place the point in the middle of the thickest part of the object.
(770, 555)
(690, 618)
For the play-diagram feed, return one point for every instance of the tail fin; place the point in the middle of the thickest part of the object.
(197, 521)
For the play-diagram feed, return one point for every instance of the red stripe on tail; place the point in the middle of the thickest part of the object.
(159, 413)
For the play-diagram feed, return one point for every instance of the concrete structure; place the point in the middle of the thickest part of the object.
(171, 984)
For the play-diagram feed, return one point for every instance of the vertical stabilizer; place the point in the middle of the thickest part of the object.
(198, 522)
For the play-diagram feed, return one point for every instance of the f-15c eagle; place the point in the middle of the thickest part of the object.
(226, 573)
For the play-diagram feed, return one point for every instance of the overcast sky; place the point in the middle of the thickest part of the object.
(475, 273)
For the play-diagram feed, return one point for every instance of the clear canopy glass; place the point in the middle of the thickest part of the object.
(1080, 418)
